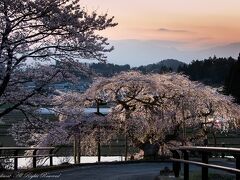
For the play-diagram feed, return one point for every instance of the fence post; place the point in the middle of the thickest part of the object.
(34, 158)
(176, 165)
(15, 160)
(223, 154)
(205, 169)
(237, 157)
(186, 165)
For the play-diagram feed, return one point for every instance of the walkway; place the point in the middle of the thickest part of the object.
(139, 171)
(135, 171)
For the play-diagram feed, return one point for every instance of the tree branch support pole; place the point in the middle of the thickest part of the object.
(75, 149)
(99, 102)
(126, 135)
(34, 158)
(99, 145)
(15, 160)
(78, 144)
(126, 147)
(99, 150)
(51, 157)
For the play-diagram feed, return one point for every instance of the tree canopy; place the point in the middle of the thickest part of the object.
(154, 107)
(34, 33)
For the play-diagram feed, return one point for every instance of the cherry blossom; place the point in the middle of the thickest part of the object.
(37, 33)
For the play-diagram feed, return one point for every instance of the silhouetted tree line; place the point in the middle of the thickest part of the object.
(232, 82)
(211, 71)
(153, 68)
(216, 72)
(108, 70)
(163, 66)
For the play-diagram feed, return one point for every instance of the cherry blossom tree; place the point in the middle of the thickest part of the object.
(152, 110)
(37, 33)
(71, 126)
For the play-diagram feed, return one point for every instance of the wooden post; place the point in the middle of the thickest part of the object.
(176, 165)
(79, 150)
(126, 147)
(205, 169)
(99, 150)
(75, 149)
(98, 106)
(15, 160)
(51, 157)
(34, 158)
(237, 157)
(186, 165)
(99, 144)
(98, 103)
(223, 154)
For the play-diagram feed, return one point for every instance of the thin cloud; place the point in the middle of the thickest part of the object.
(174, 30)
(203, 39)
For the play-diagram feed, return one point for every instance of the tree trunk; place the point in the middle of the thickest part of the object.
(150, 150)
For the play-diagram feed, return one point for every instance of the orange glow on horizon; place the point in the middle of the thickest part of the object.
(210, 22)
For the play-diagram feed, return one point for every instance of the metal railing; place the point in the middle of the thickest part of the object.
(15, 154)
(205, 152)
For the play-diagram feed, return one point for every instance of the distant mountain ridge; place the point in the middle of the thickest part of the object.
(167, 65)
(108, 69)
(141, 52)
(171, 63)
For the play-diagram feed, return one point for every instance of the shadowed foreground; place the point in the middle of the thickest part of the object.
(142, 171)
(134, 171)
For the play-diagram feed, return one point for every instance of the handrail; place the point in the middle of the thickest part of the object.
(210, 149)
(34, 155)
(28, 156)
(205, 151)
(26, 148)
(224, 168)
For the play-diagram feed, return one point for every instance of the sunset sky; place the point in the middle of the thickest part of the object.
(195, 24)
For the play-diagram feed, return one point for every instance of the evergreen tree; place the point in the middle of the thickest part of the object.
(232, 83)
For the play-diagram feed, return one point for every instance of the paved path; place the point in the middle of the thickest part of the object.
(139, 171)
(136, 171)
